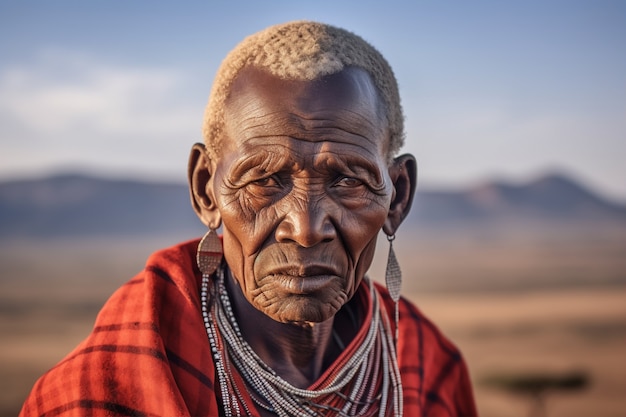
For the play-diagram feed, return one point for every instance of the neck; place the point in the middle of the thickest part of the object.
(298, 353)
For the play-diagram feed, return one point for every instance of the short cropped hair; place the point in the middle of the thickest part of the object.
(304, 50)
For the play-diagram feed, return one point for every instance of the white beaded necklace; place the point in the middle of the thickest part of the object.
(372, 366)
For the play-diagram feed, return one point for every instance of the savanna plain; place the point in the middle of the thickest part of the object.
(519, 308)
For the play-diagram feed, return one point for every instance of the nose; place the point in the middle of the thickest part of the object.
(307, 222)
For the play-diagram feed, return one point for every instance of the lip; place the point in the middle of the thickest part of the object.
(304, 279)
(304, 285)
(303, 270)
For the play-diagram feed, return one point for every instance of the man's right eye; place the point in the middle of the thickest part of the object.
(265, 182)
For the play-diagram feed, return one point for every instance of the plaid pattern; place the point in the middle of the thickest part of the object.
(148, 355)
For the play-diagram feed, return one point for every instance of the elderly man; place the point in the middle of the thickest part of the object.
(276, 317)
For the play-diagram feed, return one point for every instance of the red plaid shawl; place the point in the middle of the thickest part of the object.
(148, 355)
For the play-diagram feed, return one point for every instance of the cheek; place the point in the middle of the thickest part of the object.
(234, 255)
(237, 239)
(365, 261)
(360, 228)
(360, 235)
(362, 263)
(245, 232)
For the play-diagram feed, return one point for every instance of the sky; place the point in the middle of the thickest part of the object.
(490, 89)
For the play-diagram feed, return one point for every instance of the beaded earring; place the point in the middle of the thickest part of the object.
(393, 279)
(210, 253)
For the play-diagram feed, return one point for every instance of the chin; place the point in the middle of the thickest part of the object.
(303, 310)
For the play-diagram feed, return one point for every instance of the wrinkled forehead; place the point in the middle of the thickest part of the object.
(348, 99)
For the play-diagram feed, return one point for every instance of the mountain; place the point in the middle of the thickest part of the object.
(81, 205)
(550, 199)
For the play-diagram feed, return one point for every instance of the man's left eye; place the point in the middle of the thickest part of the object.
(348, 182)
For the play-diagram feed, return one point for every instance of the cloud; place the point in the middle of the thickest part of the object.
(67, 108)
(63, 93)
(458, 139)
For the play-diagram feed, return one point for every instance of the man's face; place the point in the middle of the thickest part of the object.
(303, 189)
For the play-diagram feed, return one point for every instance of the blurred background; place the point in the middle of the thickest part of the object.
(515, 247)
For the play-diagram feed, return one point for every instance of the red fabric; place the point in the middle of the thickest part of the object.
(148, 355)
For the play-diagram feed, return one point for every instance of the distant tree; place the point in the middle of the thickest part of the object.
(537, 386)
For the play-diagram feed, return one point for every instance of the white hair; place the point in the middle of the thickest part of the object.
(304, 50)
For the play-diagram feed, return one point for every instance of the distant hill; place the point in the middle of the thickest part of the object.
(550, 199)
(81, 205)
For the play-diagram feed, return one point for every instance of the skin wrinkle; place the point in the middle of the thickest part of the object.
(304, 204)
(306, 197)
(350, 99)
(256, 162)
(301, 199)
(303, 195)
(301, 123)
(299, 127)
(323, 159)
(307, 202)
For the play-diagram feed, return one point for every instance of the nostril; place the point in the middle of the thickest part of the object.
(305, 229)
(284, 232)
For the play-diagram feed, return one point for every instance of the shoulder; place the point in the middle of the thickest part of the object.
(435, 377)
(177, 261)
(170, 278)
(138, 350)
(412, 319)
(417, 330)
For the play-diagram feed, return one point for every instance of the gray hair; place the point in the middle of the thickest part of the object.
(304, 50)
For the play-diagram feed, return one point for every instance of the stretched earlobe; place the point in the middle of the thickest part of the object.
(200, 174)
(403, 173)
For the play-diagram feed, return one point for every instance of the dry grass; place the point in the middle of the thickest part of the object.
(540, 332)
(557, 307)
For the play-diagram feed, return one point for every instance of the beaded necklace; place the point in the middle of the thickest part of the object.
(365, 384)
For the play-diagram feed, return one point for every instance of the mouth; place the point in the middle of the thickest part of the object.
(304, 280)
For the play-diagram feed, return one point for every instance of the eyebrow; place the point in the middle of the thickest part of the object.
(262, 160)
(356, 164)
(275, 158)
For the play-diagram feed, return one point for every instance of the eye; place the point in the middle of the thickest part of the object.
(266, 182)
(348, 182)
(265, 186)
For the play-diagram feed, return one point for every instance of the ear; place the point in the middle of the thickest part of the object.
(200, 172)
(403, 173)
